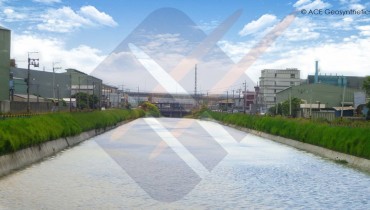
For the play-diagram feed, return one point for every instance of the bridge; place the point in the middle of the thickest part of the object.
(174, 109)
(179, 105)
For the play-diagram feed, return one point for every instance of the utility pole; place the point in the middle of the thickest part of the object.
(245, 92)
(233, 102)
(276, 107)
(344, 92)
(311, 103)
(88, 91)
(207, 99)
(79, 93)
(93, 94)
(58, 97)
(227, 101)
(195, 85)
(70, 92)
(37, 86)
(138, 91)
(35, 63)
(290, 102)
(239, 91)
(54, 68)
(123, 95)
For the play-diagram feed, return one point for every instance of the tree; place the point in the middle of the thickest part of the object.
(276, 110)
(284, 108)
(366, 87)
(150, 109)
(93, 101)
(85, 100)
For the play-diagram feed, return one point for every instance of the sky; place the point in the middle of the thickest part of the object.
(129, 43)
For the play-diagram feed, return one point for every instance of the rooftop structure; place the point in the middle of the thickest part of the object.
(273, 81)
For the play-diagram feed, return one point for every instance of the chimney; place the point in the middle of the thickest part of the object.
(316, 72)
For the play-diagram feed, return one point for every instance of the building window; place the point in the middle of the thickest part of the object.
(291, 83)
(292, 75)
(275, 75)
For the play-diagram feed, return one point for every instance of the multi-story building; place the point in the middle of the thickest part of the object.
(4, 63)
(111, 96)
(273, 81)
(82, 82)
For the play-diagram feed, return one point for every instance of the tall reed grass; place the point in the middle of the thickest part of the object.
(341, 137)
(19, 133)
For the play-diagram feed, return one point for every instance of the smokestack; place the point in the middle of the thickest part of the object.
(317, 72)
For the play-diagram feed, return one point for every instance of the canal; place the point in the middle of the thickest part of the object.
(169, 163)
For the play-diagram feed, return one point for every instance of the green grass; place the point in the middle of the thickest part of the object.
(19, 133)
(342, 136)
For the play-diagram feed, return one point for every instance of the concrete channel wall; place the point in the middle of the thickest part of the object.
(357, 162)
(28, 156)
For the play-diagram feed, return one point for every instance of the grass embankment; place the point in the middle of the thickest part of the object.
(19, 133)
(349, 138)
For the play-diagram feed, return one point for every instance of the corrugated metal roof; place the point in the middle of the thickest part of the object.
(2, 28)
(344, 108)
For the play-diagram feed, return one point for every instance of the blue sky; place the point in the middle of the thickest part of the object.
(82, 34)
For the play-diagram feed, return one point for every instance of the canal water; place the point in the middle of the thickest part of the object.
(171, 163)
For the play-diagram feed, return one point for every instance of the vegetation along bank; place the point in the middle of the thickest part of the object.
(20, 133)
(347, 137)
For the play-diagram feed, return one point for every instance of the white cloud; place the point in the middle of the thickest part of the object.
(11, 15)
(364, 30)
(258, 25)
(301, 2)
(64, 19)
(345, 58)
(343, 24)
(100, 17)
(47, 1)
(350, 38)
(301, 29)
(236, 50)
(348, 1)
(356, 6)
(311, 4)
(208, 26)
(83, 57)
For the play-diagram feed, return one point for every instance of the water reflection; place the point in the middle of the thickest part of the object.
(255, 174)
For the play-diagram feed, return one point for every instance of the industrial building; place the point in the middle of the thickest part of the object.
(4, 63)
(323, 96)
(41, 83)
(273, 81)
(329, 95)
(54, 85)
(336, 80)
(51, 86)
(84, 83)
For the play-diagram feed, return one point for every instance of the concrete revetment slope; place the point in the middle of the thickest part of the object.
(28, 156)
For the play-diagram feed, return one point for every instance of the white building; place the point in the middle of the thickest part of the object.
(273, 81)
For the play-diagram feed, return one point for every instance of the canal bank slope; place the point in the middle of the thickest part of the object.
(343, 144)
(28, 140)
